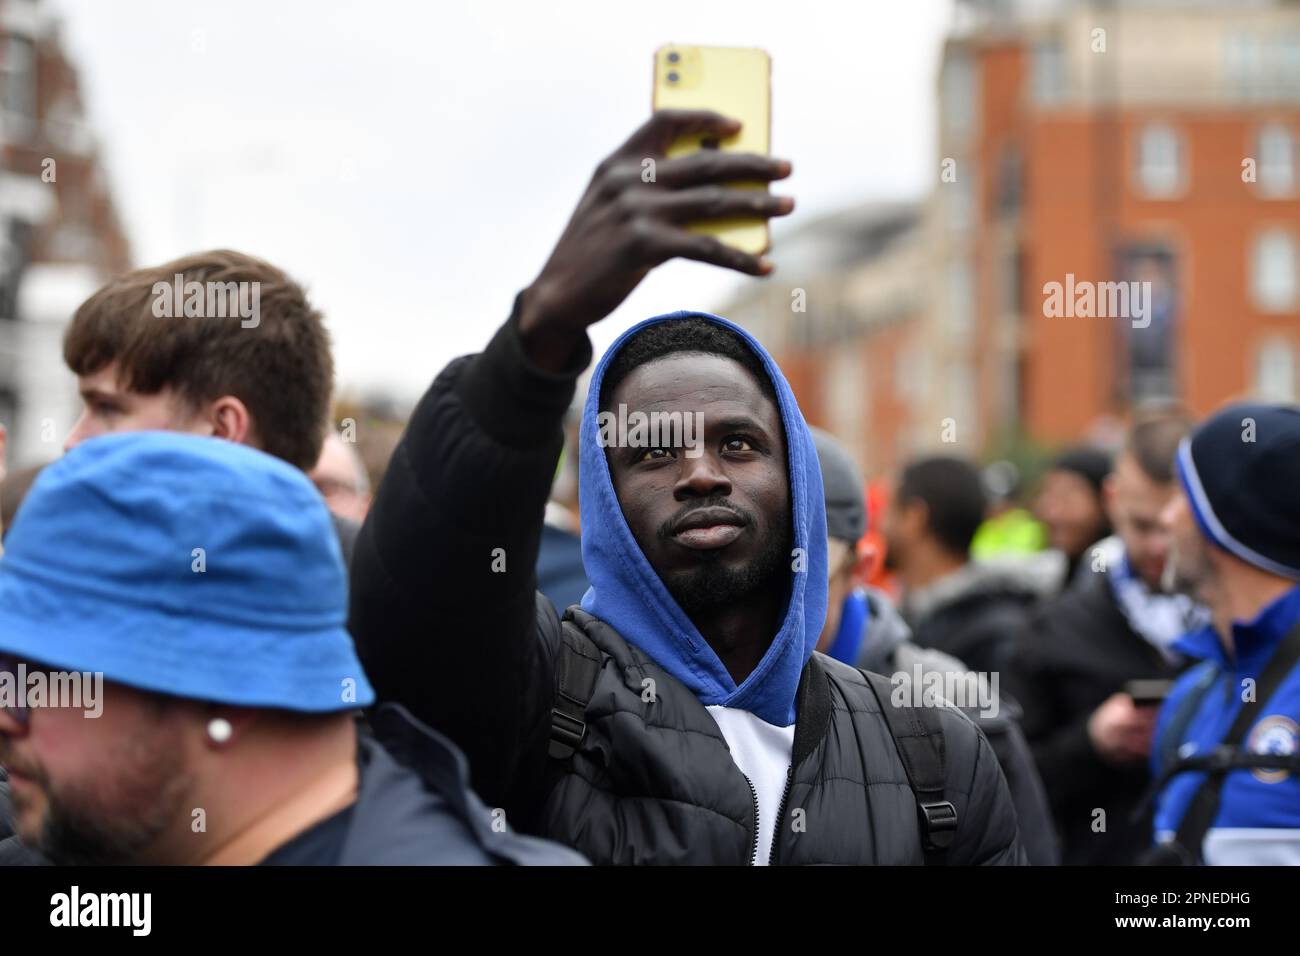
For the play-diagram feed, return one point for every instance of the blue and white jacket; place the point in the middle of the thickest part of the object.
(1258, 821)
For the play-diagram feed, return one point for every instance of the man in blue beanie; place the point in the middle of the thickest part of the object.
(680, 713)
(1227, 747)
(177, 685)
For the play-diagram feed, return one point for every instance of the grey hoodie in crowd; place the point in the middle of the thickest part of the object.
(887, 648)
(976, 612)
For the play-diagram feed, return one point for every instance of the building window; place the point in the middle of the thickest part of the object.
(1275, 371)
(847, 396)
(911, 373)
(1048, 72)
(1010, 180)
(1273, 271)
(1244, 64)
(1276, 152)
(960, 400)
(1013, 281)
(1160, 161)
(959, 99)
(1288, 66)
(959, 199)
(960, 312)
(18, 77)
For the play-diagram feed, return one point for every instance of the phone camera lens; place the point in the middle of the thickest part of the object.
(674, 57)
(672, 77)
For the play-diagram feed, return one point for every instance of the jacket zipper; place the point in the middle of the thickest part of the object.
(753, 852)
(780, 816)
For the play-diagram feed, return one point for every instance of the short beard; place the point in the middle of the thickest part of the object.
(1190, 571)
(89, 831)
(711, 585)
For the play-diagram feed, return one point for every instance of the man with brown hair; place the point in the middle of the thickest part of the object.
(217, 343)
(1112, 625)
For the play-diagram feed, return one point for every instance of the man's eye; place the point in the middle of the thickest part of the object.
(736, 443)
(655, 454)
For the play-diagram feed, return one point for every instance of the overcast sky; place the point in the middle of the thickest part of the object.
(413, 163)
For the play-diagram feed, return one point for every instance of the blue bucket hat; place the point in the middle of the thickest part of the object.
(183, 565)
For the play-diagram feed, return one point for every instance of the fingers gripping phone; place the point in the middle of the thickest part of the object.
(733, 81)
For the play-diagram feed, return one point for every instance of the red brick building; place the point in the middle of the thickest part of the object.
(1083, 145)
(1135, 144)
(842, 319)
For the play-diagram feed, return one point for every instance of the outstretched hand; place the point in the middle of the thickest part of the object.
(624, 226)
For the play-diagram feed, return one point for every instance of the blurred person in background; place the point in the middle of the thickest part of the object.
(1070, 504)
(1226, 756)
(1115, 624)
(968, 609)
(872, 571)
(373, 426)
(560, 572)
(1008, 529)
(864, 630)
(341, 479)
(230, 687)
(143, 364)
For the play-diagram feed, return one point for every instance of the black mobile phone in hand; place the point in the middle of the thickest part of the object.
(1148, 693)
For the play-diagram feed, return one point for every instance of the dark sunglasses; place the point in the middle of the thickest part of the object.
(9, 665)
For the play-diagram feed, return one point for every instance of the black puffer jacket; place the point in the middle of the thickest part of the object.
(888, 649)
(654, 781)
(977, 613)
(471, 649)
(1078, 651)
(413, 808)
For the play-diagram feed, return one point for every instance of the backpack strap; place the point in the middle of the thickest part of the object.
(1182, 716)
(918, 737)
(1168, 761)
(576, 670)
(1204, 805)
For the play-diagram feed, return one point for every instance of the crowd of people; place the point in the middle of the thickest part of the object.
(535, 644)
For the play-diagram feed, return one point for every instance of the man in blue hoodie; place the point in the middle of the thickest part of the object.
(679, 714)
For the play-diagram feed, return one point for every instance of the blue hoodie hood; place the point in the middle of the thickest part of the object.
(628, 595)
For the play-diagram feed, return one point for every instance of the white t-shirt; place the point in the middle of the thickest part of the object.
(762, 751)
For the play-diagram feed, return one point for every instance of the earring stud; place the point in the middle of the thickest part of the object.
(219, 730)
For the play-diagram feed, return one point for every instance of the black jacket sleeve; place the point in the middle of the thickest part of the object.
(1059, 741)
(1037, 831)
(444, 608)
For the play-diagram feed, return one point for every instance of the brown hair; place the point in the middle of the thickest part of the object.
(1153, 440)
(279, 366)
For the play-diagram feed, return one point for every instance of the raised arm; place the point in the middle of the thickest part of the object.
(443, 608)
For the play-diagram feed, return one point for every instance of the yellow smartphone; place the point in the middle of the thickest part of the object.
(733, 81)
